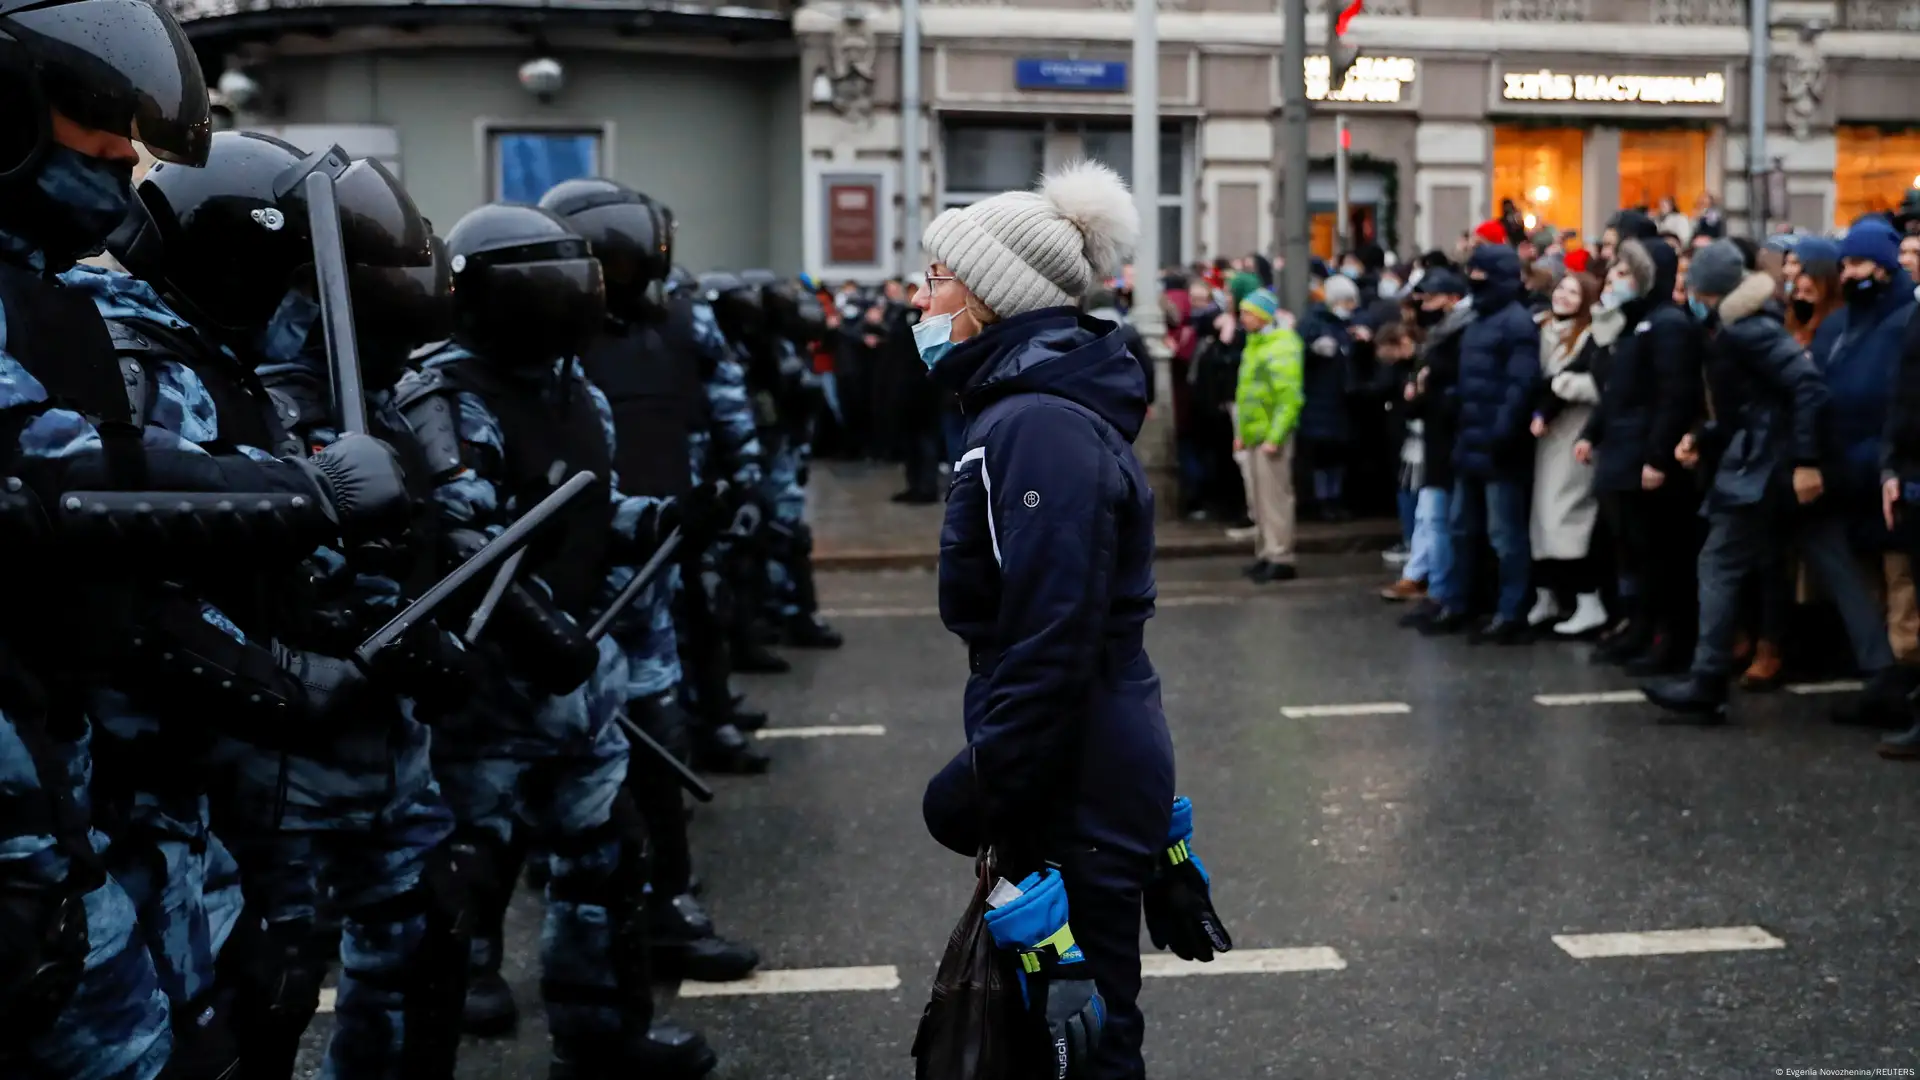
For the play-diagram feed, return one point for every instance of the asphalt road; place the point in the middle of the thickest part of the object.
(1409, 848)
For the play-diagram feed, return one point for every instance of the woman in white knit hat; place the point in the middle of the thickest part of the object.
(1046, 572)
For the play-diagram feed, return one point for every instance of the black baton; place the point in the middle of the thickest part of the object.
(688, 778)
(336, 302)
(511, 540)
(495, 591)
(641, 579)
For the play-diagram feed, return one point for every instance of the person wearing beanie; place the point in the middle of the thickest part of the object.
(1762, 450)
(1266, 412)
(1046, 573)
(1490, 231)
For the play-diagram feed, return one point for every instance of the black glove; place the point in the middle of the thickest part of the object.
(333, 686)
(362, 477)
(429, 665)
(705, 510)
(1075, 1014)
(1179, 898)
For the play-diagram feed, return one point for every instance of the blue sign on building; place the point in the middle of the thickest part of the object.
(1042, 74)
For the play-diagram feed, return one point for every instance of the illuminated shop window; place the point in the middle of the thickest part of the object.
(1540, 170)
(1873, 171)
(1659, 164)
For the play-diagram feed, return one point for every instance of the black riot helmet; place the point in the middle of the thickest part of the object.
(809, 320)
(224, 244)
(526, 289)
(122, 67)
(627, 233)
(736, 304)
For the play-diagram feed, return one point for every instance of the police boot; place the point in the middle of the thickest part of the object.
(807, 631)
(666, 1052)
(723, 749)
(747, 720)
(489, 1010)
(686, 946)
(754, 658)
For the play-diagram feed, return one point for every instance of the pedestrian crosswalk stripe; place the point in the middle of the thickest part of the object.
(1838, 686)
(821, 731)
(799, 981)
(1245, 962)
(1363, 708)
(1609, 697)
(1667, 942)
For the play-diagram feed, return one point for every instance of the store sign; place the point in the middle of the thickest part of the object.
(1378, 79)
(853, 223)
(1544, 85)
(1101, 75)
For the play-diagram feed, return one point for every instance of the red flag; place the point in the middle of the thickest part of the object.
(1346, 16)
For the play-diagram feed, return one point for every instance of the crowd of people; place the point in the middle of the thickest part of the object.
(1698, 450)
(318, 637)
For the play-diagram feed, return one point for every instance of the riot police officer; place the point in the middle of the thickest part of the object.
(654, 391)
(354, 803)
(506, 414)
(79, 995)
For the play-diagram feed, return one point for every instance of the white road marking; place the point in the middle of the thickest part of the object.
(1838, 686)
(327, 995)
(800, 981)
(1608, 697)
(1667, 942)
(1362, 708)
(878, 612)
(822, 731)
(1245, 962)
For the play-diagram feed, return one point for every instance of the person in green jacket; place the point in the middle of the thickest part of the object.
(1266, 413)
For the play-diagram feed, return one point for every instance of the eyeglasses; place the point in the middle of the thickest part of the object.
(934, 280)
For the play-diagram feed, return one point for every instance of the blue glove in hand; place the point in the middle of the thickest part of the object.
(1179, 899)
(1054, 981)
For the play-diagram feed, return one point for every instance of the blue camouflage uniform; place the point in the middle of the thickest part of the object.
(556, 763)
(784, 493)
(353, 829)
(116, 1025)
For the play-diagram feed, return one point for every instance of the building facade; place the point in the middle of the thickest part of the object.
(775, 132)
(1571, 108)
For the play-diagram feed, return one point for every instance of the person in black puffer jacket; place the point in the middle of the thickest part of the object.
(1650, 395)
(1435, 407)
(1493, 451)
(1762, 452)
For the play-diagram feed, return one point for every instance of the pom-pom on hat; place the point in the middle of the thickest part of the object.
(1021, 251)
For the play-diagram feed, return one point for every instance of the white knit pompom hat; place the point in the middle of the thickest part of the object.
(1021, 251)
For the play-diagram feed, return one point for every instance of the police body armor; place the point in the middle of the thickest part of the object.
(545, 444)
(658, 400)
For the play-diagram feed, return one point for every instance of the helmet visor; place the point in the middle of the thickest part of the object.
(379, 223)
(543, 309)
(123, 67)
(407, 304)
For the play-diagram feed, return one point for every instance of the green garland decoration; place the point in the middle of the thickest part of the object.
(1389, 172)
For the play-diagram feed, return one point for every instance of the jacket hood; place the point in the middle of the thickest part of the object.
(1747, 299)
(1634, 225)
(1056, 351)
(1501, 264)
(1661, 264)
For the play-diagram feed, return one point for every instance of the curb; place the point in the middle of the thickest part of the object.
(1357, 541)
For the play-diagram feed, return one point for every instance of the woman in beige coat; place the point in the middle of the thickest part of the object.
(1564, 505)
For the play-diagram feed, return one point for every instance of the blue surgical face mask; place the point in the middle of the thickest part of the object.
(933, 336)
(1700, 310)
(1389, 288)
(91, 192)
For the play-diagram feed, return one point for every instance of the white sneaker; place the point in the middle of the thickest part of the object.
(1247, 533)
(1589, 614)
(1396, 555)
(1545, 608)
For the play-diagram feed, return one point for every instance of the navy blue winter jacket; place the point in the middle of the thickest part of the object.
(1857, 350)
(1499, 365)
(1046, 572)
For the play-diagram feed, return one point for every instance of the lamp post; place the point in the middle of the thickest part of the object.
(1145, 314)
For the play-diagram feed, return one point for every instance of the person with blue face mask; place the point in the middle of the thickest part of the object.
(1046, 572)
(1762, 453)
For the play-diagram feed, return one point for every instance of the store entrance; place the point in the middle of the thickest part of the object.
(1366, 195)
(1657, 165)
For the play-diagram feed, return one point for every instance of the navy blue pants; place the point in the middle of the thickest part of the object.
(1103, 894)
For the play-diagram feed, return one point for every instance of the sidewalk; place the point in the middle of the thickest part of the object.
(856, 527)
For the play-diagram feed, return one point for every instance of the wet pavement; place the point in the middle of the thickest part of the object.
(1399, 812)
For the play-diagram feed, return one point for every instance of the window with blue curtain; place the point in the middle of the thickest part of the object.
(527, 163)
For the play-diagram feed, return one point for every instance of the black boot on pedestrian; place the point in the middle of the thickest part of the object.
(1665, 657)
(754, 658)
(686, 946)
(1445, 622)
(1254, 569)
(667, 1052)
(1690, 699)
(1902, 747)
(1622, 646)
(748, 720)
(1422, 614)
(1274, 571)
(723, 749)
(1501, 632)
(807, 631)
(1882, 704)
